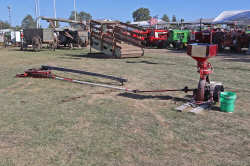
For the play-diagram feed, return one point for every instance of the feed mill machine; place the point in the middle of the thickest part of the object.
(207, 92)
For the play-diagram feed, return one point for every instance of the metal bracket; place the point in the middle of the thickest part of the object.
(196, 109)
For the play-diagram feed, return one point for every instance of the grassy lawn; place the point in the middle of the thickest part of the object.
(51, 122)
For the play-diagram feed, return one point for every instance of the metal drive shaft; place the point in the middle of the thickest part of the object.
(95, 84)
(186, 89)
(36, 73)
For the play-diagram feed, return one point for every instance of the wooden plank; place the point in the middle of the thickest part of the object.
(93, 22)
(130, 51)
(61, 20)
(128, 40)
(132, 26)
(117, 29)
(131, 55)
(96, 28)
(110, 27)
(129, 37)
(99, 22)
(111, 38)
(97, 34)
(105, 41)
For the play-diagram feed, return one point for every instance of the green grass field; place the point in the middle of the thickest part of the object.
(49, 122)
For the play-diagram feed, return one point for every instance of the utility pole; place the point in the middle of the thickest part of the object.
(182, 20)
(36, 13)
(75, 8)
(55, 11)
(9, 10)
(39, 14)
(200, 23)
(35, 9)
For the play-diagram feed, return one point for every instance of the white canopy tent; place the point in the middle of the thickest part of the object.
(237, 16)
(141, 23)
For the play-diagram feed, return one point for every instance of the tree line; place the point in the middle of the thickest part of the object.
(30, 22)
(4, 25)
(141, 14)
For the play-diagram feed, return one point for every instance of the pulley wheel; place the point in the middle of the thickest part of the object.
(201, 91)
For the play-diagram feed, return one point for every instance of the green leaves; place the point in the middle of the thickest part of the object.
(141, 14)
(28, 22)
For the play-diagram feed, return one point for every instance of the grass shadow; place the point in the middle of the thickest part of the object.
(238, 60)
(145, 62)
(148, 62)
(234, 57)
(143, 97)
(29, 50)
(215, 108)
(235, 69)
(232, 54)
(174, 51)
(89, 55)
(68, 48)
(75, 58)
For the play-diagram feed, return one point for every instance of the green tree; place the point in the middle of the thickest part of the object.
(18, 28)
(72, 15)
(4, 25)
(165, 18)
(82, 16)
(28, 22)
(141, 14)
(174, 18)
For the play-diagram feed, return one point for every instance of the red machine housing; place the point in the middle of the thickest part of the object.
(204, 67)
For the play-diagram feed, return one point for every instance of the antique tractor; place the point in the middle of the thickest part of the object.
(178, 38)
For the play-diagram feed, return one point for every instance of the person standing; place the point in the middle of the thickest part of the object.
(5, 40)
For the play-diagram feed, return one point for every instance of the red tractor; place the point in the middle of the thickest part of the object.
(154, 37)
(235, 40)
(213, 36)
(202, 36)
(157, 38)
(195, 37)
(243, 41)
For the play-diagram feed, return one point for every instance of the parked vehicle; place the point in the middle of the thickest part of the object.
(70, 38)
(178, 38)
(157, 38)
(36, 37)
(153, 37)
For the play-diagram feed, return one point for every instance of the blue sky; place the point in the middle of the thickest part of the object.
(122, 9)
